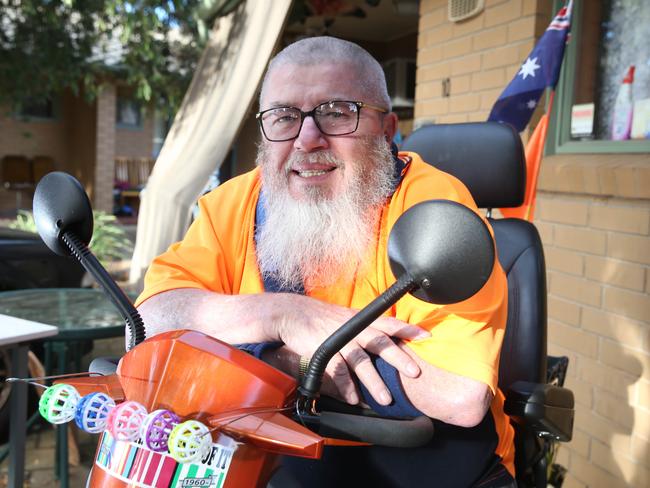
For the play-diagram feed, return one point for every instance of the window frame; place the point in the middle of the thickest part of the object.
(20, 116)
(140, 109)
(559, 132)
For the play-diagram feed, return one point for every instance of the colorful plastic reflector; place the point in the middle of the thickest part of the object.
(92, 412)
(156, 428)
(125, 419)
(189, 442)
(58, 403)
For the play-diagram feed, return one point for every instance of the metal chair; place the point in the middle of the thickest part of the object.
(17, 176)
(41, 165)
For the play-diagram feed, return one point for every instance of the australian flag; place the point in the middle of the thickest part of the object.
(518, 101)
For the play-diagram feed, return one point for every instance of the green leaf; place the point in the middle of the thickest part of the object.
(48, 46)
(109, 241)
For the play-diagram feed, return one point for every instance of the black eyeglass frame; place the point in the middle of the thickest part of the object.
(311, 114)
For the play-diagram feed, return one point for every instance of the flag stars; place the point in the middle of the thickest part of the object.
(528, 68)
(531, 104)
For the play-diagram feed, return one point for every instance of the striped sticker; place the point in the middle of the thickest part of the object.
(137, 465)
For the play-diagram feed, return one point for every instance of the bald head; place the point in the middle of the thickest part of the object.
(328, 50)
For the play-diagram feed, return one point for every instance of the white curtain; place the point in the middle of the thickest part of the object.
(206, 125)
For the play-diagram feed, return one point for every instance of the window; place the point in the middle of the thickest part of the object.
(43, 109)
(128, 113)
(400, 81)
(603, 97)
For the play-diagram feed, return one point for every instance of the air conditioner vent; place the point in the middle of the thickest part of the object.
(464, 9)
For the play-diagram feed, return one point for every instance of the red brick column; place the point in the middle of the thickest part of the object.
(105, 149)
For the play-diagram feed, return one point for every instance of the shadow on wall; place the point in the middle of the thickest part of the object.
(614, 440)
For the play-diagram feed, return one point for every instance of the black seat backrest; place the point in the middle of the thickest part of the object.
(488, 157)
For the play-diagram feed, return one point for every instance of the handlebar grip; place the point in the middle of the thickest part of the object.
(375, 430)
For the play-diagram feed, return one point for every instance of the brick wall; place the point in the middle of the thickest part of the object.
(29, 139)
(39, 137)
(34, 137)
(69, 132)
(478, 56)
(136, 142)
(105, 150)
(594, 218)
(81, 140)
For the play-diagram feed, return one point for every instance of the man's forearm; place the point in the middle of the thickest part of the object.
(437, 393)
(231, 318)
(454, 399)
(302, 323)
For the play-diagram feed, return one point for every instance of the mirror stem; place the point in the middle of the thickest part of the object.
(117, 296)
(314, 377)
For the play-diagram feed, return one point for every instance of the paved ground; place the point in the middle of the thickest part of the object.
(39, 463)
(40, 446)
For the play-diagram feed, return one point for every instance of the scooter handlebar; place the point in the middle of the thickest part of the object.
(376, 430)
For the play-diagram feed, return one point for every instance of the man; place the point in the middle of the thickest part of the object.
(282, 256)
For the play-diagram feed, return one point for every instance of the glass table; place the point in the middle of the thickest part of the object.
(15, 335)
(80, 315)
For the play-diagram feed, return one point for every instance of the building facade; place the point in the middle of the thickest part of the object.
(79, 137)
(593, 212)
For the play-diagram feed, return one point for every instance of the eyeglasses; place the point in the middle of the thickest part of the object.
(334, 118)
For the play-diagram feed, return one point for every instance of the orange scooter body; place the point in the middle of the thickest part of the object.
(198, 377)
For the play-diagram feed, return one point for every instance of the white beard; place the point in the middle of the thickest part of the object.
(319, 240)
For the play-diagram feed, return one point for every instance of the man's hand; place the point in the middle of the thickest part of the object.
(301, 322)
(308, 322)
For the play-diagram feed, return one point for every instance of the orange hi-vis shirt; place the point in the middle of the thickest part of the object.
(218, 254)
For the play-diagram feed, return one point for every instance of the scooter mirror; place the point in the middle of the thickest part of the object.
(64, 219)
(61, 205)
(445, 248)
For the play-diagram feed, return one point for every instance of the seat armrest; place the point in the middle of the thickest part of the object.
(546, 409)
